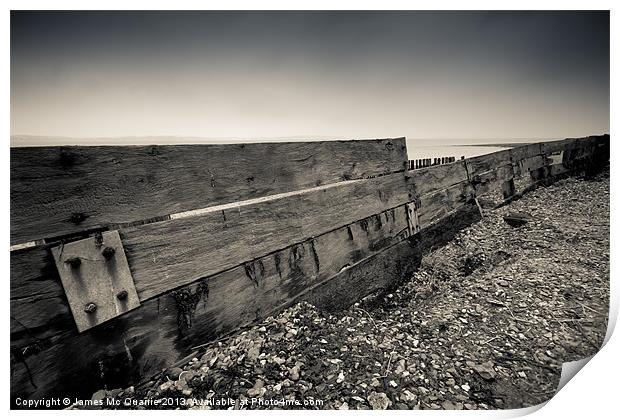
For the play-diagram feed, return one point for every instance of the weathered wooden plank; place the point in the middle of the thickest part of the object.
(433, 178)
(524, 152)
(164, 329)
(60, 190)
(485, 163)
(173, 253)
(390, 267)
(526, 165)
(170, 254)
(584, 144)
(443, 230)
(377, 272)
(492, 181)
(33, 273)
(437, 204)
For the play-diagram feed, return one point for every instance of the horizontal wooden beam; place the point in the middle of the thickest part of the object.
(169, 254)
(58, 191)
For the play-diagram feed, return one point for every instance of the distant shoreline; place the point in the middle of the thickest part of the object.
(493, 145)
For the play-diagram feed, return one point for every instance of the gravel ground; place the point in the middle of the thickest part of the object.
(485, 323)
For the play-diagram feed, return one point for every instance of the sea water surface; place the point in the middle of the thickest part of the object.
(435, 148)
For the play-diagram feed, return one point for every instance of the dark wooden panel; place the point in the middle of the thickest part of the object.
(390, 267)
(379, 271)
(438, 204)
(164, 329)
(492, 181)
(526, 165)
(585, 144)
(60, 190)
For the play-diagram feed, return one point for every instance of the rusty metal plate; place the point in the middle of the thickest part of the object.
(96, 278)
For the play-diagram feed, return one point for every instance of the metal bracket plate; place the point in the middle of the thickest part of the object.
(96, 278)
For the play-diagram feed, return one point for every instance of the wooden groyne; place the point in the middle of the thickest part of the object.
(423, 163)
(215, 237)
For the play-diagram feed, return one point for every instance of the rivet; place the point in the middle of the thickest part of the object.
(108, 252)
(122, 295)
(89, 308)
(74, 262)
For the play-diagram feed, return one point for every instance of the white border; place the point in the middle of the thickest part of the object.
(593, 392)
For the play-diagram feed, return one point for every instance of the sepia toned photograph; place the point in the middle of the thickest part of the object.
(306, 209)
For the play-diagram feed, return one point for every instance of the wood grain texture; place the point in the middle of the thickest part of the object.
(584, 143)
(437, 204)
(164, 329)
(433, 178)
(377, 272)
(385, 270)
(485, 163)
(60, 190)
(170, 254)
(491, 182)
(524, 152)
(526, 165)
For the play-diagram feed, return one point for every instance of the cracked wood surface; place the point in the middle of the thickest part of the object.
(57, 191)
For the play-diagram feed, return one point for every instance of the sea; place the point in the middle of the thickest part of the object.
(458, 148)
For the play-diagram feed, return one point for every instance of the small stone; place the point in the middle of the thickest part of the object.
(173, 373)
(294, 373)
(465, 387)
(485, 370)
(379, 401)
(340, 378)
(400, 367)
(344, 406)
(99, 395)
(408, 396)
(253, 353)
(393, 384)
(256, 389)
(517, 219)
(448, 405)
(165, 386)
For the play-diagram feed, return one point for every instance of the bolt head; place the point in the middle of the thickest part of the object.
(108, 252)
(74, 262)
(90, 308)
(122, 295)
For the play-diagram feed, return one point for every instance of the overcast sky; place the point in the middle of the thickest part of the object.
(337, 74)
